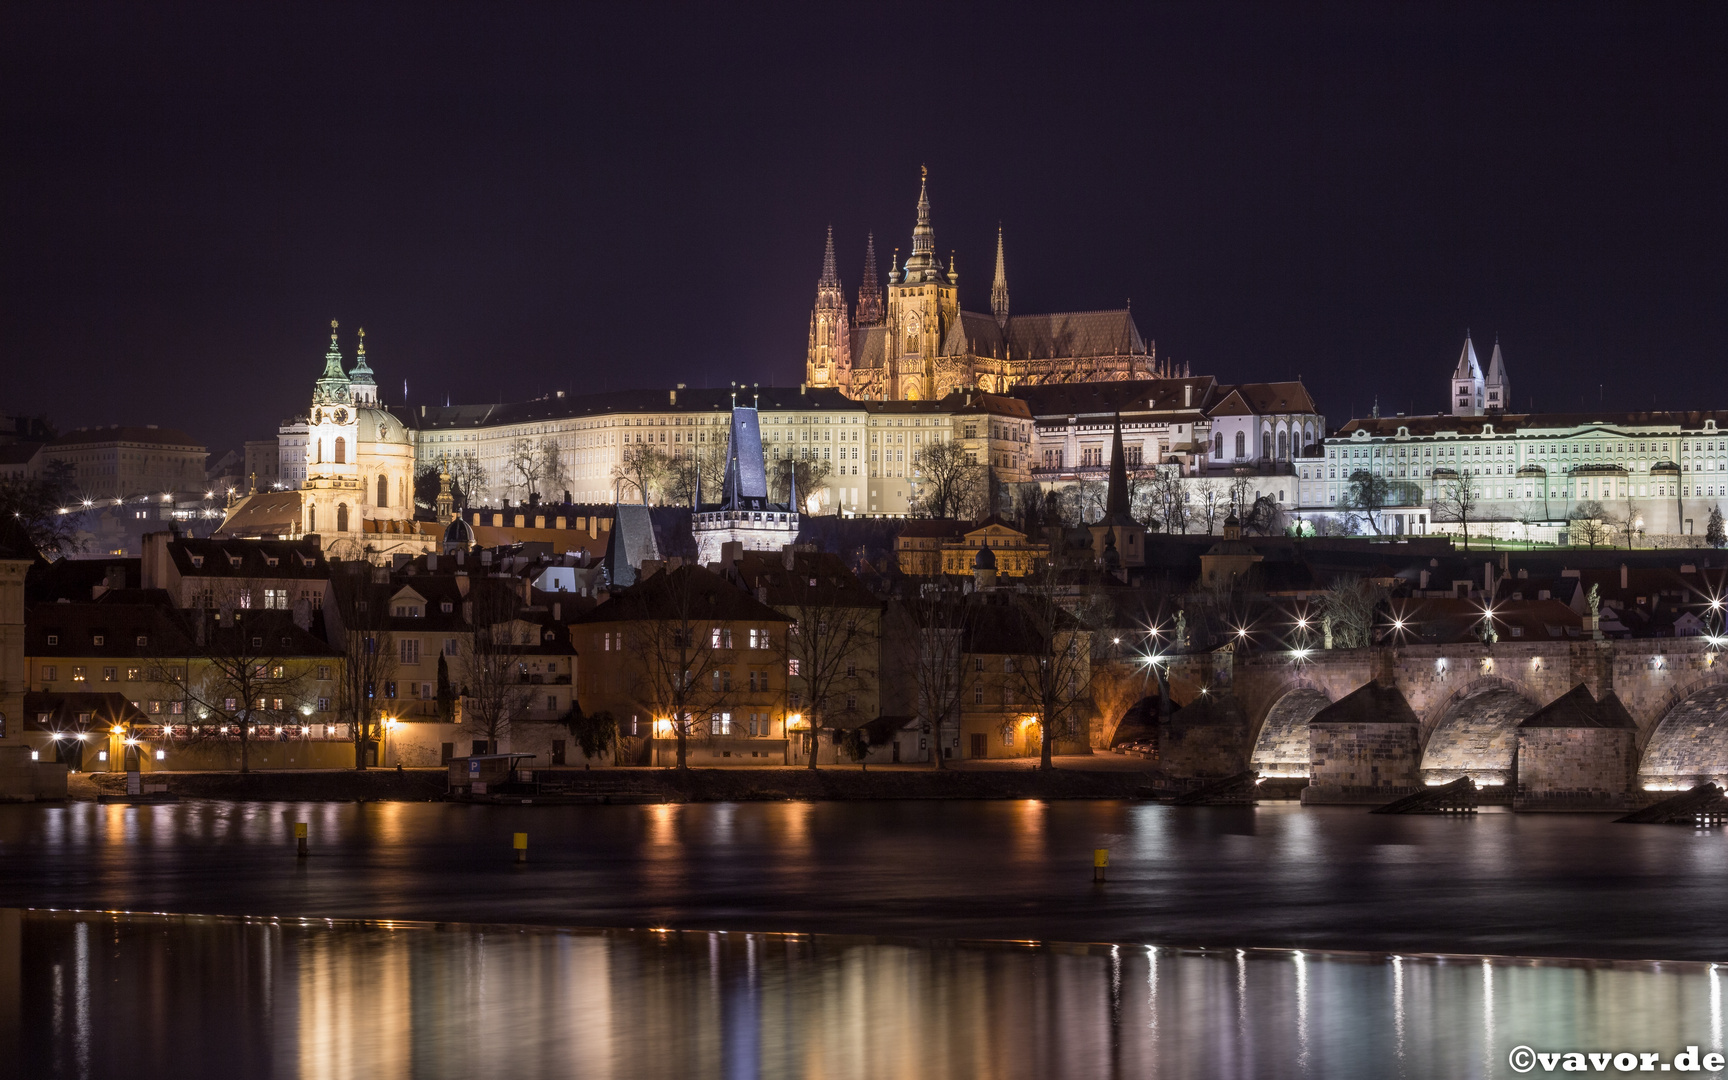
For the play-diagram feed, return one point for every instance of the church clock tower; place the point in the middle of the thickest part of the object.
(332, 494)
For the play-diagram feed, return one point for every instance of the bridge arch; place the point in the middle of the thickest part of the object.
(1474, 733)
(1689, 745)
(1281, 746)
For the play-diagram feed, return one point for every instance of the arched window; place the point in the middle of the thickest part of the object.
(1266, 442)
(341, 451)
(383, 492)
(311, 519)
(1283, 445)
(1218, 446)
(318, 451)
(342, 514)
(1241, 444)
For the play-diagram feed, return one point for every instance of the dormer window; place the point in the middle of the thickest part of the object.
(53, 639)
(447, 607)
(143, 640)
(271, 560)
(197, 562)
(98, 639)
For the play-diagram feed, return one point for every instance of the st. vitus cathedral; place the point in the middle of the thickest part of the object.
(918, 343)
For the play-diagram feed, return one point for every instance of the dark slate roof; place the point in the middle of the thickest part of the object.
(294, 558)
(570, 406)
(1368, 704)
(133, 434)
(688, 591)
(767, 576)
(1108, 398)
(746, 469)
(1526, 423)
(630, 543)
(1577, 708)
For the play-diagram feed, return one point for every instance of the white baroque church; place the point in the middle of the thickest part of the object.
(358, 496)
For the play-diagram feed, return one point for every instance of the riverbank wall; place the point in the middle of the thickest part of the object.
(693, 785)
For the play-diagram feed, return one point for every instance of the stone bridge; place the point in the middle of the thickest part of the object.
(1575, 724)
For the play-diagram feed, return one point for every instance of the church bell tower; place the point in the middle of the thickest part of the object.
(828, 360)
(923, 302)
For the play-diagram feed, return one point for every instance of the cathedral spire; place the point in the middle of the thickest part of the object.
(830, 275)
(1116, 496)
(921, 265)
(999, 290)
(869, 310)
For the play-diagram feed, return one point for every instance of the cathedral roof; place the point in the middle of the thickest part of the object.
(1039, 337)
(1260, 399)
(265, 514)
(1496, 367)
(868, 346)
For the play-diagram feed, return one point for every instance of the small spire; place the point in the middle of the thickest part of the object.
(1116, 496)
(830, 275)
(921, 265)
(999, 289)
(870, 292)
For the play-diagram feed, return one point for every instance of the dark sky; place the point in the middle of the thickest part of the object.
(513, 198)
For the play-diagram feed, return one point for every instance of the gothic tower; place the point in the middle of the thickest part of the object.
(869, 311)
(1467, 389)
(828, 359)
(1496, 387)
(999, 290)
(923, 303)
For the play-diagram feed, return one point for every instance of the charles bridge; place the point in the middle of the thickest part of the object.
(1541, 725)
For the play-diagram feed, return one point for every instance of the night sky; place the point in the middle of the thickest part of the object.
(512, 198)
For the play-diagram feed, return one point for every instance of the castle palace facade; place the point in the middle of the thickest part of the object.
(915, 343)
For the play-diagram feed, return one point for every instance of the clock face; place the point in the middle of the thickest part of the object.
(340, 416)
(317, 416)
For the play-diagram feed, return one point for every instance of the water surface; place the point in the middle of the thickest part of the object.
(106, 995)
(1276, 876)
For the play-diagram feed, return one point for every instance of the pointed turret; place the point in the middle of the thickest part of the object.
(1116, 498)
(830, 275)
(1496, 387)
(869, 311)
(360, 381)
(1467, 388)
(332, 386)
(999, 289)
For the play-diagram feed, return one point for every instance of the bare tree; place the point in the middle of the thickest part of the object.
(534, 465)
(680, 651)
(810, 476)
(243, 673)
(495, 690)
(1211, 500)
(680, 483)
(1455, 500)
(951, 484)
(1348, 608)
(1241, 494)
(939, 624)
(45, 506)
(1590, 524)
(1056, 677)
(1167, 498)
(467, 477)
(359, 629)
(831, 643)
(641, 467)
(1627, 524)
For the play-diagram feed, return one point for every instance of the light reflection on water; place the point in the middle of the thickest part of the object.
(146, 995)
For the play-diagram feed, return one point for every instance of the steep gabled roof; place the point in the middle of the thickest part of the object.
(685, 592)
(1467, 367)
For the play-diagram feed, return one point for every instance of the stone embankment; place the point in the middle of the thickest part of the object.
(694, 785)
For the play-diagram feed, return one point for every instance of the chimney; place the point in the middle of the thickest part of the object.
(1187, 395)
(557, 611)
(1622, 576)
(1423, 583)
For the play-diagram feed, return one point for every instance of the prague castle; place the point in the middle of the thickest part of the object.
(918, 344)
